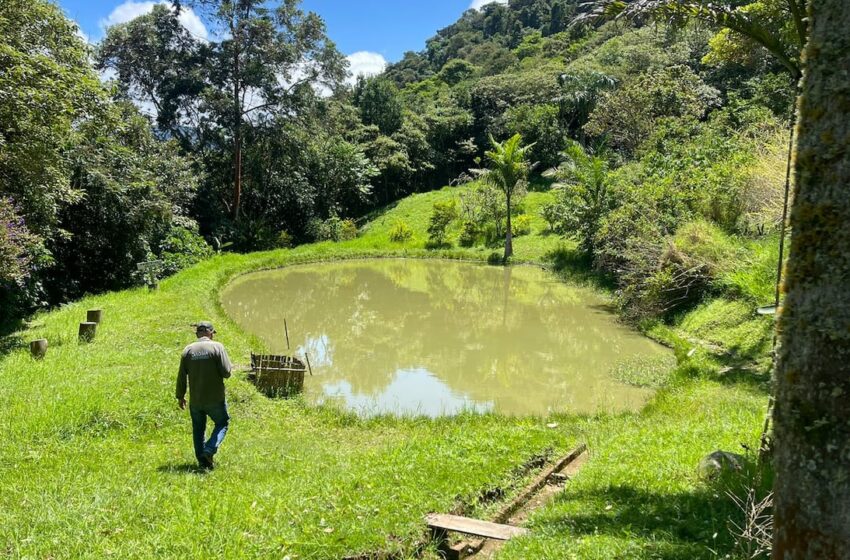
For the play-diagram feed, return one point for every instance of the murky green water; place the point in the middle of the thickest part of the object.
(435, 337)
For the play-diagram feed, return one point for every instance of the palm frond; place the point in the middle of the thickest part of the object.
(723, 15)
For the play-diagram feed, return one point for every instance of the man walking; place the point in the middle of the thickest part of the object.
(205, 365)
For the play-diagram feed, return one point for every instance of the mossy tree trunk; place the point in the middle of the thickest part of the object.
(812, 412)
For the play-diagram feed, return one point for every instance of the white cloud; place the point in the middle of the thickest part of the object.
(130, 10)
(81, 34)
(364, 63)
(478, 4)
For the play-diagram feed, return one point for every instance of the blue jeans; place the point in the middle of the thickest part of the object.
(221, 420)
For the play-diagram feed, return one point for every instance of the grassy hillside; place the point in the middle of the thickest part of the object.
(96, 460)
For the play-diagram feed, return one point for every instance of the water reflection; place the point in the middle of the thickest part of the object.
(413, 391)
(435, 337)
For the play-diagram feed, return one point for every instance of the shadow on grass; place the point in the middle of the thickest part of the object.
(749, 370)
(374, 214)
(671, 526)
(572, 264)
(182, 468)
(10, 337)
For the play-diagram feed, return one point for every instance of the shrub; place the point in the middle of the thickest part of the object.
(495, 258)
(470, 234)
(521, 225)
(285, 240)
(182, 248)
(442, 214)
(16, 245)
(400, 232)
(553, 213)
(661, 276)
(332, 229)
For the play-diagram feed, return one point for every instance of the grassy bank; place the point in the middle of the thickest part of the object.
(96, 461)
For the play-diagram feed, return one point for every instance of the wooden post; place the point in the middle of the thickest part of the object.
(286, 330)
(38, 348)
(94, 315)
(307, 357)
(87, 331)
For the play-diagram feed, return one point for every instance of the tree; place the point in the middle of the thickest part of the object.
(267, 60)
(509, 168)
(157, 61)
(379, 103)
(580, 93)
(584, 193)
(46, 87)
(811, 416)
(627, 115)
(766, 23)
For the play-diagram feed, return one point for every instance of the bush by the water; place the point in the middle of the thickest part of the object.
(442, 215)
(400, 232)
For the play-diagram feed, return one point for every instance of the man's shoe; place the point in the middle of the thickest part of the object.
(206, 461)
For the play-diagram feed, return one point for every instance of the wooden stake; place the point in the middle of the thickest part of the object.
(38, 348)
(286, 330)
(87, 331)
(307, 357)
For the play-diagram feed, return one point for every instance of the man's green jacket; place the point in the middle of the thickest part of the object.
(205, 365)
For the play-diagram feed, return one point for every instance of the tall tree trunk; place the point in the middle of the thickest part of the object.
(237, 120)
(812, 412)
(509, 245)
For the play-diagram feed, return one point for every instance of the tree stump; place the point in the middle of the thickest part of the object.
(87, 331)
(94, 315)
(38, 348)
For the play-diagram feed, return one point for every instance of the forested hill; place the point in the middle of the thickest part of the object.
(254, 140)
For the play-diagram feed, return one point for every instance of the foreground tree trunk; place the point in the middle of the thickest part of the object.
(812, 413)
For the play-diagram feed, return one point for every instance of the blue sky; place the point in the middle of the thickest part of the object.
(371, 32)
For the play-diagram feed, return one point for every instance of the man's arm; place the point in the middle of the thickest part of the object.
(225, 367)
(182, 377)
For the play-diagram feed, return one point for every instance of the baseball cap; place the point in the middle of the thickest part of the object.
(204, 326)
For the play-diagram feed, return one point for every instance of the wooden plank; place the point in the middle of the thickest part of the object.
(446, 522)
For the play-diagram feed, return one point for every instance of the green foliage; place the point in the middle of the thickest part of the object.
(584, 197)
(508, 171)
(181, 248)
(379, 103)
(456, 71)
(400, 232)
(667, 277)
(46, 88)
(553, 213)
(442, 215)
(521, 225)
(17, 246)
(469, 234)
(333, 229)
(539, 125)
(284, 240)
(777, 25)
(627, 115)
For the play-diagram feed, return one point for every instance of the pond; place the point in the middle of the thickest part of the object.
(436, 337)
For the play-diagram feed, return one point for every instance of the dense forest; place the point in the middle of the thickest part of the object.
(663, 142)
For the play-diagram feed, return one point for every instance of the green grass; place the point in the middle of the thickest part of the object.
(95, 459)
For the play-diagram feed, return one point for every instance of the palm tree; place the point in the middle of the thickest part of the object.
(812, 417)
(508, 172)
(579, 94)
(743, 20)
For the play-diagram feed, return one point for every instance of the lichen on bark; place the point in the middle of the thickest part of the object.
(812, 412)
